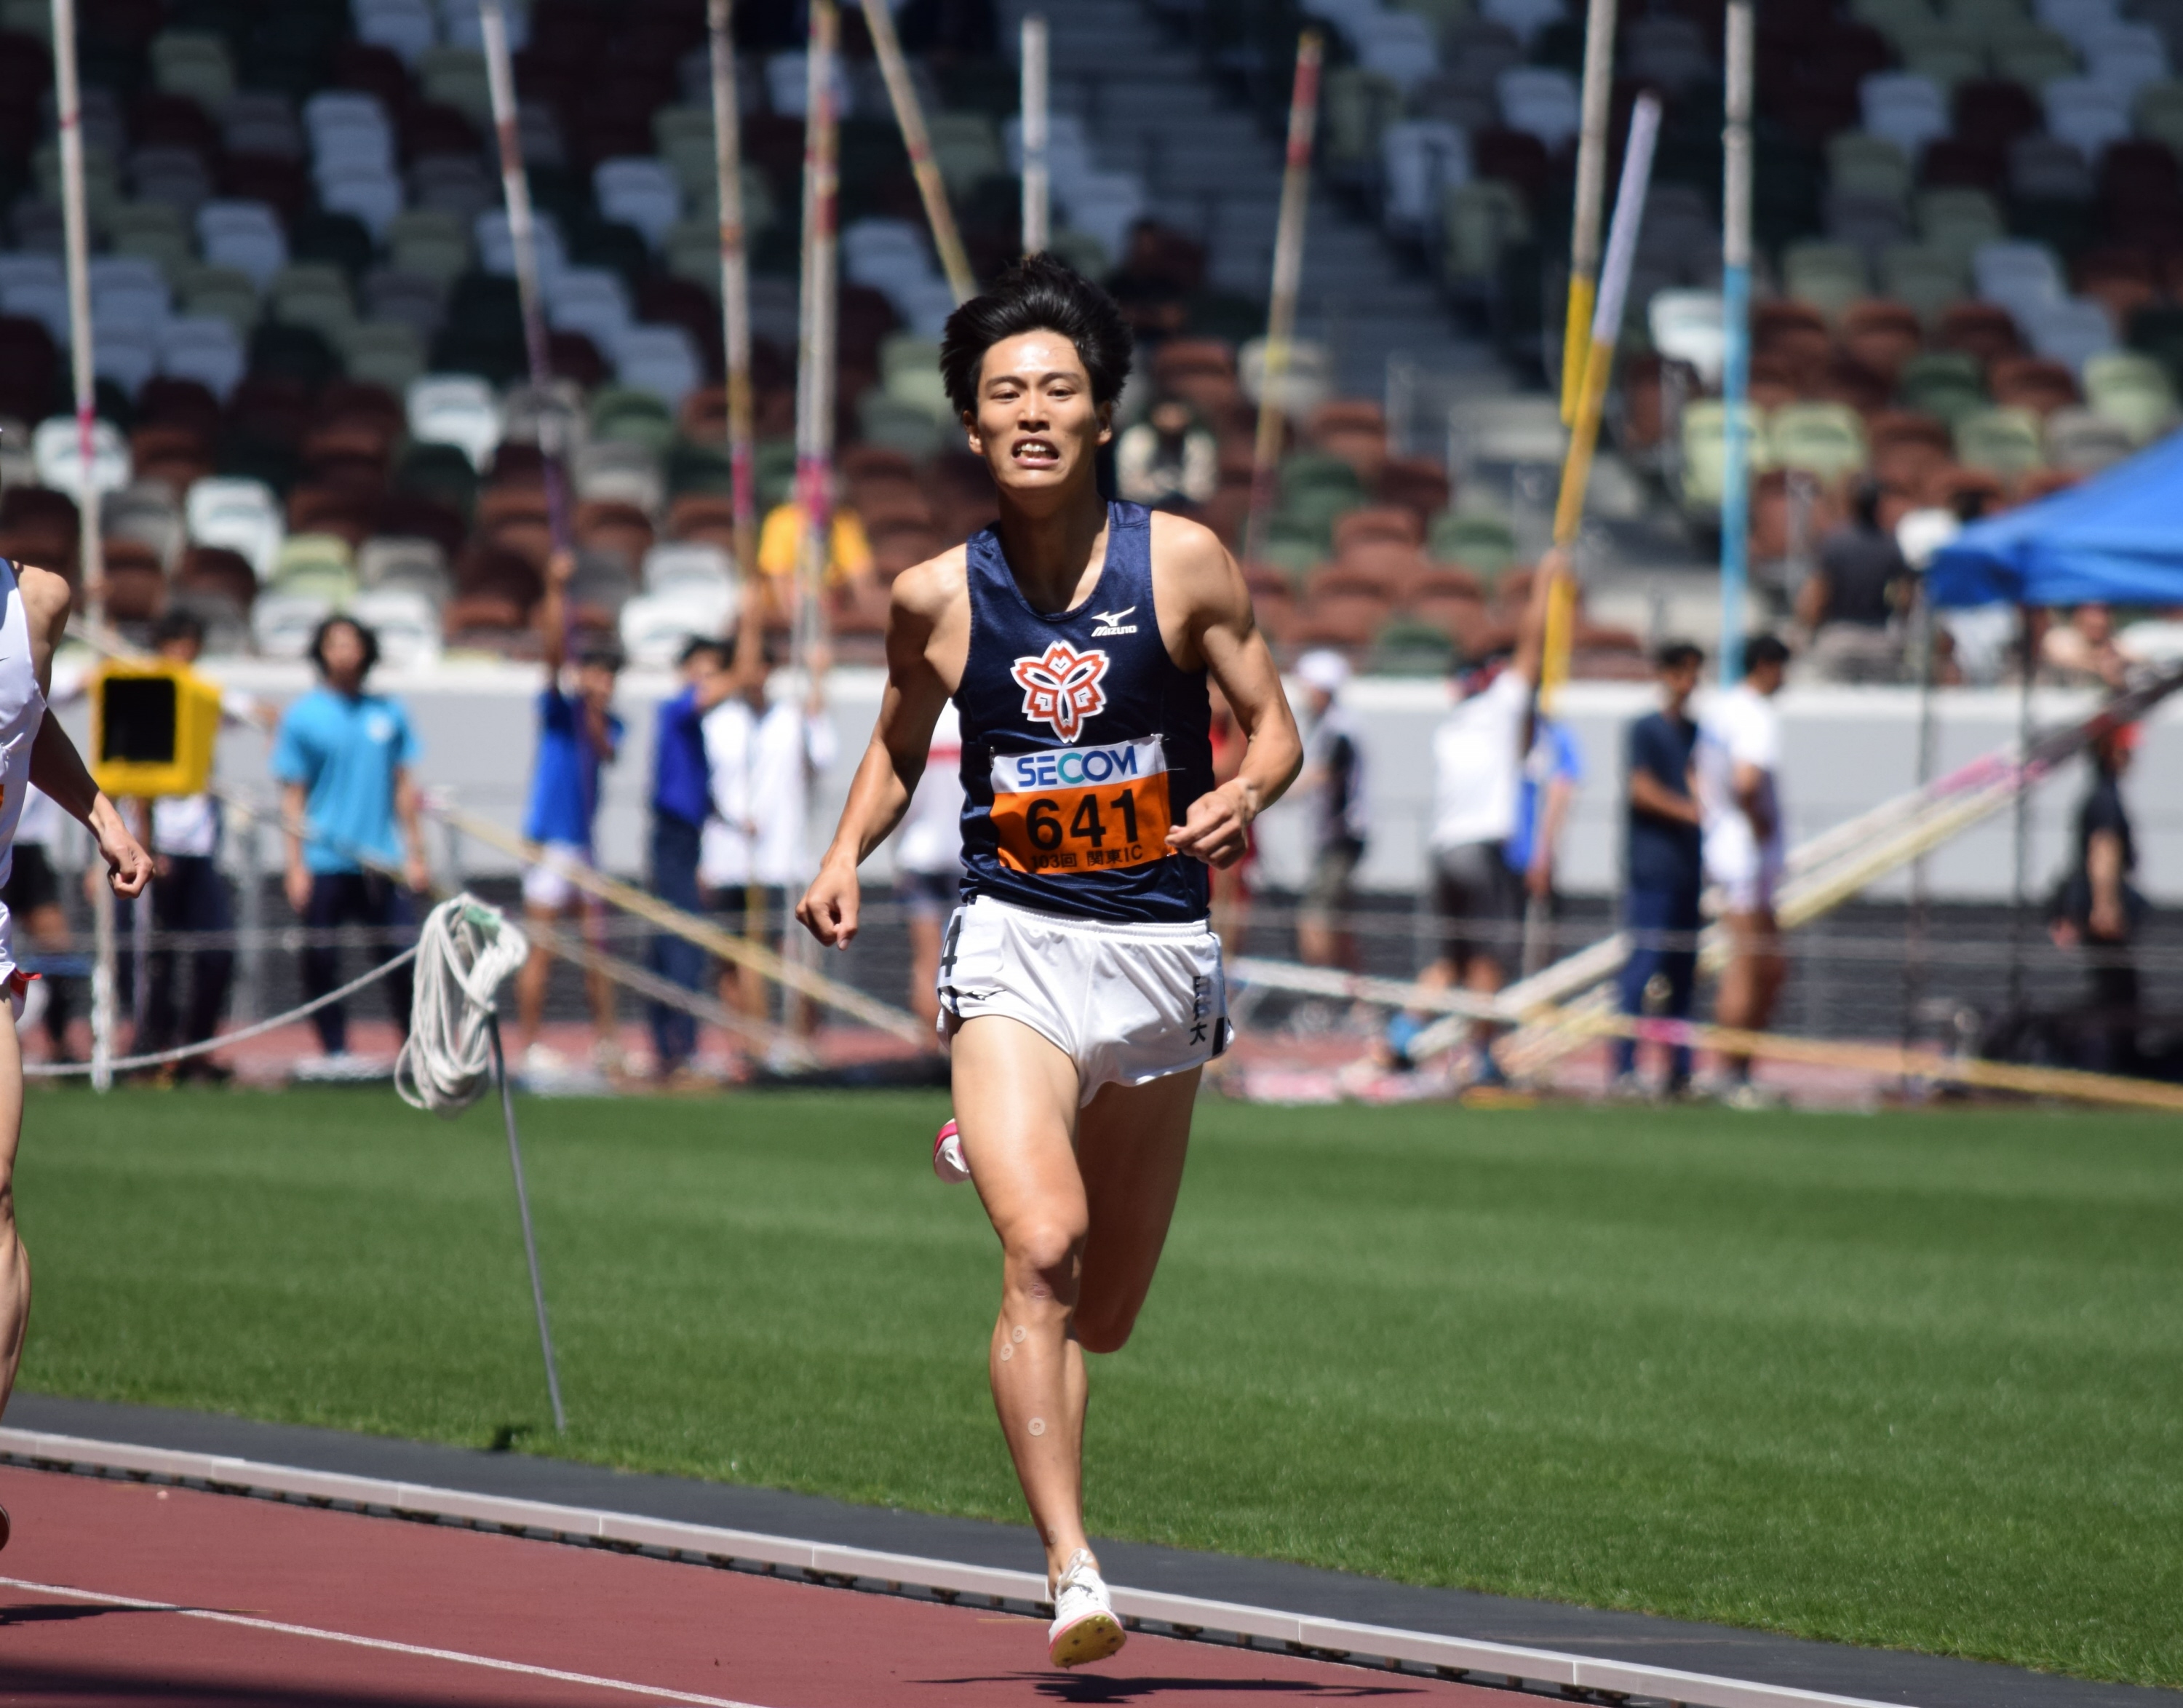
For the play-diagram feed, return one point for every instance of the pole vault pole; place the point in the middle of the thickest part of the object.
(1736, 314)
(1288, 275)
(1037, 181)
(1591, 199)
(735, 315)
(90, 549)
(522, 231)
(814, 392)
(1590, 404)
(901, 92)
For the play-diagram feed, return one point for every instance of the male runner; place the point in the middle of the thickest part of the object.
(1080, 982)
(1736, 764)
(34, 749)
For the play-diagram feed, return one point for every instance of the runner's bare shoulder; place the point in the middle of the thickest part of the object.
(46, 597)
(926, 593)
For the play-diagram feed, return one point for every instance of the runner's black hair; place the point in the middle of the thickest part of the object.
(364, 634)
(1675, 655)
(178, 625)
(1037, 294)
(1764, 650)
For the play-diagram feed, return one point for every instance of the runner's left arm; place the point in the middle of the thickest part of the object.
(55, 766)
(1224, 634)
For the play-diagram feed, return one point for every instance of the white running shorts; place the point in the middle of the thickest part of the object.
(1127, 1003)
(1747, 874)
(546, 885)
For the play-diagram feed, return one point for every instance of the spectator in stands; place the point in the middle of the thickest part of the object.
(1333, 782)
(1664, 870)
(343, 759)
(1737, 763)
(849, 557)
(2082, 653)
(1477, 766)
(1167, 458)
(1849, 603)
(577, 735)
(681, 803)
(2098, 909)
(763, 755)
(927, 862)
(189, 893)
(1552, 771)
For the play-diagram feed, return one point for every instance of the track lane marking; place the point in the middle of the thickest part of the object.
(658, 1693)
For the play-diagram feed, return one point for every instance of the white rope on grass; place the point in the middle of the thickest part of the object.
(466, 952)
(129, 1064)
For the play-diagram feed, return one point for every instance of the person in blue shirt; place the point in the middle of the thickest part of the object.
(1554, 767)
(682, 802)
(577, 735)
(1665, 872)
(343, 759)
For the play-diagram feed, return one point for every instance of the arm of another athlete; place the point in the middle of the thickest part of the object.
(55, 766)
(1204, 604)
(928, 638)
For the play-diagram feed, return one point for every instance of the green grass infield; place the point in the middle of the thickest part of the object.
(1903, 1380)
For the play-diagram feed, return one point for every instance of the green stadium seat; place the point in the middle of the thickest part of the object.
(2158, 112)
(1981, 20)
(967, 149)
(1872, 167)
(456, 77)
(696, 468)
(1928, 280)
(153, 229)
(1947, 59)
(319, 564)
(430, 241)
(2133, 390)
(1484, 544)
(896, 424)
(1946, 383)
(1829, 277)
(2032, 56)
(313, 294)
(387, 352)
(194, 62)
(1959, 221)
(773, 469)
(1480, 221)
(1823, 439)
(1295, 548)
(631, 417)
(2002, 442)
(223, 291)
(1705, 454)
(1360, 104)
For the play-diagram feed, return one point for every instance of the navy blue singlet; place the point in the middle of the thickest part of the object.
(1082, 743)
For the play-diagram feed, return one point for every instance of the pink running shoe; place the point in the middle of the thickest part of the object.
(947, 1160)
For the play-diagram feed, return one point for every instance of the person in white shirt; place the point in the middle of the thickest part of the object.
(189, 894)
(1478, 757)
(764, 755)
(927, 862)
(1736, 764)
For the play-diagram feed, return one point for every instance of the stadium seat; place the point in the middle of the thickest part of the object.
(1958, 222)
(2086, 113)
(2133, 390)
(1478, 221)
(2030, 382)
(2070, 331)
(455, 409)
(56, 452)
(1903, 107)
(1687, 327)
(1823, 439)
(2017, 274)
(1541, 103)
(2005, 443)
(2083, 441)
(238, 515)
(1829, 277)
(2043, 168)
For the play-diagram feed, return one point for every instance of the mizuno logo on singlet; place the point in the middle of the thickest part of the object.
(1111, 623)
(1061, 686)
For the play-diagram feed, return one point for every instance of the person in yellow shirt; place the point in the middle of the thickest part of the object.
(780, 544)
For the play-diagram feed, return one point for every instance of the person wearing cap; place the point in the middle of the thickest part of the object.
(1478, 759)
(577, 735)
(2098, 908)
(1333, 782)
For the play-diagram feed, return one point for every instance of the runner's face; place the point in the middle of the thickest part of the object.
(1036, 426)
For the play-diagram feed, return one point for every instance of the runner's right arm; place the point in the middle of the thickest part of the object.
(927, 620)
(55, 766)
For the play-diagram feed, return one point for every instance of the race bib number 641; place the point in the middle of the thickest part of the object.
(1068, 810)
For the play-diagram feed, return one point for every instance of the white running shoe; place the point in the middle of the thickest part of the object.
(1085, 1627)
(947, 1159)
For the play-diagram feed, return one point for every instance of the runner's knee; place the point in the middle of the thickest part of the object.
(1105, 1329)
(1042, 1261)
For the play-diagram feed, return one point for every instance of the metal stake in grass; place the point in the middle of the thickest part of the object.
(529, 1239)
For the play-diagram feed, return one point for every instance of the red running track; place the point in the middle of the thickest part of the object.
(248, 1603)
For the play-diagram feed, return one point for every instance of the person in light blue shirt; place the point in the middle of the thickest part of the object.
(1552, 770)
(577, 735)
(343, 759)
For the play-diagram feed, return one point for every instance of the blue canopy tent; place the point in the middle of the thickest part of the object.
(2117, 538)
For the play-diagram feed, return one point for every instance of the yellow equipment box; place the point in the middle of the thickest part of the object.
(152, 724)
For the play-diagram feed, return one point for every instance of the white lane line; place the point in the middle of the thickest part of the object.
(656, 1692)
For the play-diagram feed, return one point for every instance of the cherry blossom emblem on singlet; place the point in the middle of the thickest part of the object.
(1061, 687)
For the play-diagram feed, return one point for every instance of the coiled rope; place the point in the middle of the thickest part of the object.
(465, 952)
